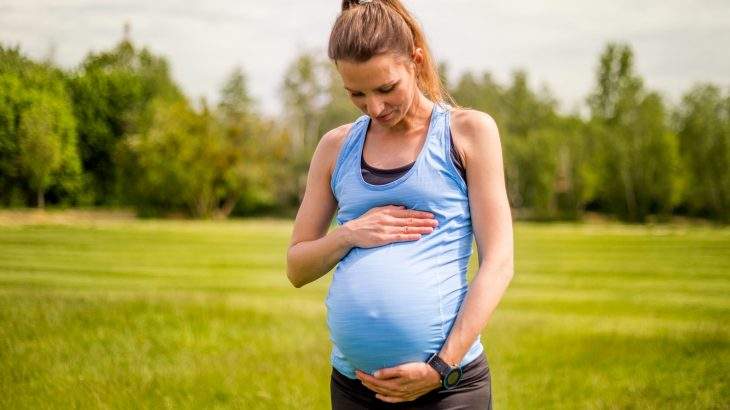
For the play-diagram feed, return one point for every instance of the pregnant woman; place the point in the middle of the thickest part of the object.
(412, 181)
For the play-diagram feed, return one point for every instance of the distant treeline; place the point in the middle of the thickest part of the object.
(118, 131)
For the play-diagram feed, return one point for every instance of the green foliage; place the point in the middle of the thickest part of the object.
(483, 94)
(703, 126)
(38, 147)
(639, 164)
(256, 175)
(524, 110)
(121, 119)
(236, 105)
(112, 92)
(173, 166)
(532, 138)
(303, 90)
(315, 102)
(207, 163)
(531, 171)
(337, 109)
(577, 179)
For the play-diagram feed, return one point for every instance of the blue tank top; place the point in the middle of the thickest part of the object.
(397, 303)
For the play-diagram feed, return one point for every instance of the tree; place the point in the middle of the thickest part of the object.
(304, 91)
(703, 125)
(38, 151)
(207, 163)
(112, 94)
(173, 165)
(40, 145)
(525, 110)
(576, 179)
(338, 109)
(252, 166)
(315, 102)
(235, 105)
(638, 157)
(483, 94)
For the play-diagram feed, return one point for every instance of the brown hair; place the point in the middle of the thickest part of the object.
(364, 30)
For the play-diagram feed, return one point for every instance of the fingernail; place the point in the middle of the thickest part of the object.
(376, 374)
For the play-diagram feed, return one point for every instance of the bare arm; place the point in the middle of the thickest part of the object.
(492, 225)
(313, 252)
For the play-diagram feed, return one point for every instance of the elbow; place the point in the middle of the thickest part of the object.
(295, 283)
(507, 270)
(503, 268)
(291, 273)
(292, 278)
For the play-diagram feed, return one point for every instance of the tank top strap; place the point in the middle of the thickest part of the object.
(348, 150)
(441, 145)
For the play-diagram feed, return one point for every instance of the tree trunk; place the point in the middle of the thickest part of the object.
(41, 201)
(227, 207)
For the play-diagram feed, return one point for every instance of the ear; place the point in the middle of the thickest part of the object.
(417, 57)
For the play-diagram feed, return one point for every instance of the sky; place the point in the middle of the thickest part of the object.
(676, 43)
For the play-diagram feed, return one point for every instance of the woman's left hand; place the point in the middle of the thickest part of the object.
(404, 382)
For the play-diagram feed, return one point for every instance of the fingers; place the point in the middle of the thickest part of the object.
(384, 388)
(395, 223)
(412, 395)
(385, 392)
(414, 217)
(394, 388)
(408, 229)
(404, 237)
(399, 216)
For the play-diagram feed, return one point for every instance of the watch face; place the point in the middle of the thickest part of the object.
(453, 377)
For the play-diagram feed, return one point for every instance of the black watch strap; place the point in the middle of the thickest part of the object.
(450, 376)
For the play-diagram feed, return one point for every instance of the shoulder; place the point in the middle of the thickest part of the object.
(473, 132)
(330, 145)
(472, 125)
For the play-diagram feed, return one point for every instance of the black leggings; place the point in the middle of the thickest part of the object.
(474, 391)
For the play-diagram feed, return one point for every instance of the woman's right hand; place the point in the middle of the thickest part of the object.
(386, 224)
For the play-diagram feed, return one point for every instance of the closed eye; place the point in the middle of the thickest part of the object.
(382, 90)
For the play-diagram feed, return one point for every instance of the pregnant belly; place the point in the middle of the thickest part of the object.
(383, 306)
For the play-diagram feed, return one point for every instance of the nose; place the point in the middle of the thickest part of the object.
(375, 106)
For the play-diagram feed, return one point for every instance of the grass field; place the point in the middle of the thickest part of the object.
(175, 314)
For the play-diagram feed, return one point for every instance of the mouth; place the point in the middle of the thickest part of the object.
(385, 116)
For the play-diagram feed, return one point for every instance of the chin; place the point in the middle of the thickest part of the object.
(390, 119)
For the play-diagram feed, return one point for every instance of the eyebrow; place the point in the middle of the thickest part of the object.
(382, 86)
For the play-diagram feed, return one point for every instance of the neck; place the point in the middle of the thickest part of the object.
(418, 114)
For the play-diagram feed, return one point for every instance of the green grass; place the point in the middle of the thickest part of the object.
(174, 314)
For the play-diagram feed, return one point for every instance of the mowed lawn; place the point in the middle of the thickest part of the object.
(187, 314)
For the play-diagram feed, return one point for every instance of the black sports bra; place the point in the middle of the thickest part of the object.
(378, 176)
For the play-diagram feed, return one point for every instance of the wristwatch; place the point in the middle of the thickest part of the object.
(450, 375)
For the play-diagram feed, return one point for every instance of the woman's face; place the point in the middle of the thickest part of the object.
(384, 87)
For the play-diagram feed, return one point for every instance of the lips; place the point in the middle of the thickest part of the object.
(382, 117)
